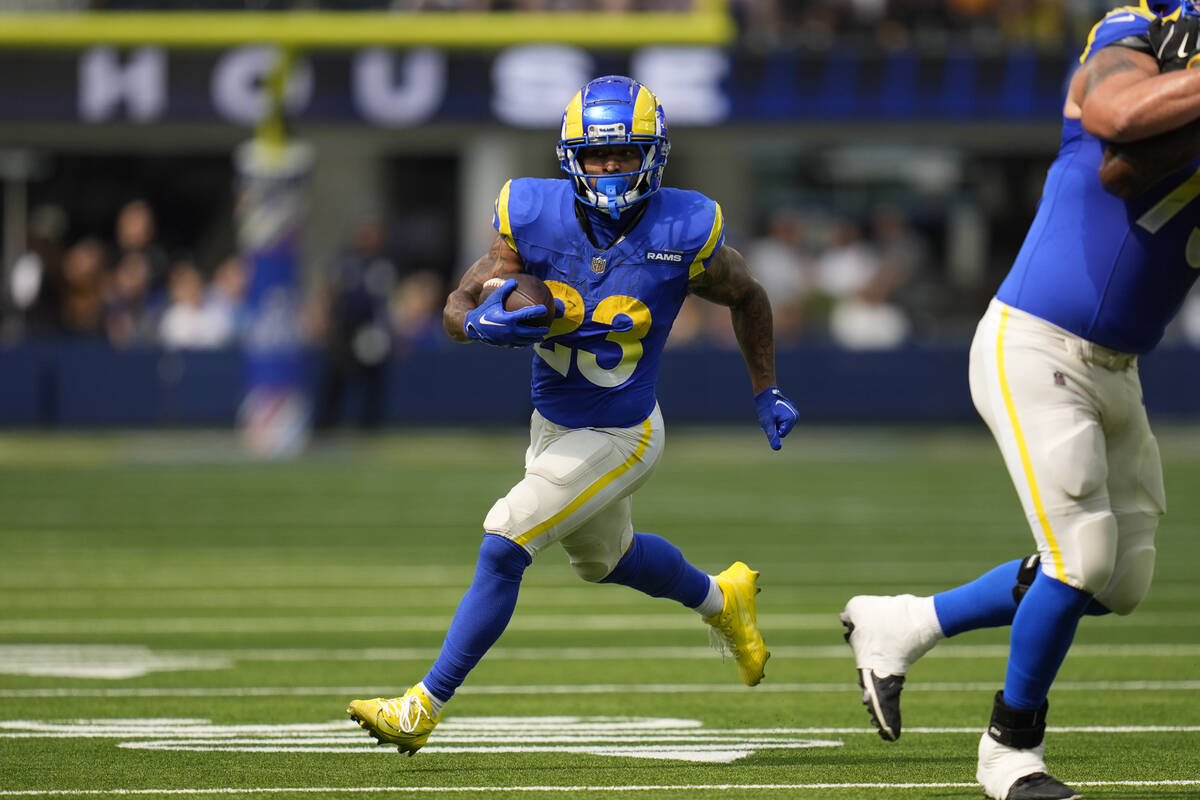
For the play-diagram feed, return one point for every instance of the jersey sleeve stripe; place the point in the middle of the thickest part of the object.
(594, 489)
(503, 225)
(1091, 39)
(1165, 210)
(1035, 494)
(714, 236)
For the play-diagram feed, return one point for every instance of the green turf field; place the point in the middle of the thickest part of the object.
(176, 620)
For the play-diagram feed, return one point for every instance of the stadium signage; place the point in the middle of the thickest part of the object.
(391, 88)
(527, 86)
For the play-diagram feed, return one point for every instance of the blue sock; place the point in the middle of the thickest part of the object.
(987, 601)
(1042, 631)
(655, 566)
(482, 615)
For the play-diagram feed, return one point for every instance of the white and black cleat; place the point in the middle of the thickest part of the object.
(887, 634)
(881, 696)
(1041, 786)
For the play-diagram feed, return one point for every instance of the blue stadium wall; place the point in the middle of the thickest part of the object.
(83, 385)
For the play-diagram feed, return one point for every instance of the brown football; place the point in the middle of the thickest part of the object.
(529, 291)
(1131, 168)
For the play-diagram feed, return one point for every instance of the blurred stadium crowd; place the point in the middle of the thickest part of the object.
(867, 283)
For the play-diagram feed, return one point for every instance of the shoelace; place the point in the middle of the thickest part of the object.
(721, 640)
(407, 712)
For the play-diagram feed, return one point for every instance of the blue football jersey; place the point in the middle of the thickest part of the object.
(1109, 270)
(599, 365)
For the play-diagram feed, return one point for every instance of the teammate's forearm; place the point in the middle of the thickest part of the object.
(1147, 108)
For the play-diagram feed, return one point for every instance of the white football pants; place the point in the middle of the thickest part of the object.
(1069, 419)
(576, 490)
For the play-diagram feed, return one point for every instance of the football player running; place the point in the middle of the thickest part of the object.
(1054, 374)
(620, 253)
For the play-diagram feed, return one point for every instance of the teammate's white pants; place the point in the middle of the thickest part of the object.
(576, 490)
(1069, 419)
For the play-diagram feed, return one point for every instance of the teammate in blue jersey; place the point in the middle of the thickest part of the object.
(1053, 373)
(620, 252)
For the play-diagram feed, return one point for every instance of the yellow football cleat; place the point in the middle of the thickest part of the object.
(403, 721)
(735, 629)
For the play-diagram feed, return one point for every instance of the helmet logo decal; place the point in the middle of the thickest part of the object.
(605, 131)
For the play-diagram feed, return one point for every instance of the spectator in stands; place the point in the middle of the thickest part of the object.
(81, 291)
(227, 294)
(358, 337)
(784, 268)
(130, 313)
(906, 274)
(191, 323)
(34, 280)
(859, 291)
(135, 234)
(416, 311)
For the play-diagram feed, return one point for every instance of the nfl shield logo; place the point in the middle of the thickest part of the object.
(598, 264)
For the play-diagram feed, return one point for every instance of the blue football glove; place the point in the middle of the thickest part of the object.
(489, 322)
(776, 415)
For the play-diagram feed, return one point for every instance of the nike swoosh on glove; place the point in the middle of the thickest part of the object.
(490, 323)
(776, 414)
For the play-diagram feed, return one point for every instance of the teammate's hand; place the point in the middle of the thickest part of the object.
(489, 322)
(776, 415)
(1176, 42)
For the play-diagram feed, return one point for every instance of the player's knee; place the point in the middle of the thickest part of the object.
(592, 571)
(511, 514)
(1131, 582)
(594, 557)
(1094, 542)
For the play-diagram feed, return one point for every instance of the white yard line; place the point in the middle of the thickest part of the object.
(545, 789)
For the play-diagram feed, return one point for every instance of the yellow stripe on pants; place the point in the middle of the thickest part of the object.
(1026, 464)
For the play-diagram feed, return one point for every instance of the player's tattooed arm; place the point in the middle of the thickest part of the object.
(1119, 95)
(500, 259)
(728, 282)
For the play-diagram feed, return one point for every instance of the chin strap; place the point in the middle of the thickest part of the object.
(611, 193)
(610, 187)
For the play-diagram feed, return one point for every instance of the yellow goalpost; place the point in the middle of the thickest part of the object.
(707, 22)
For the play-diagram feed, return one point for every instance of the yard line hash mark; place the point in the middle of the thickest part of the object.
(547, 789)
(639, 737)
